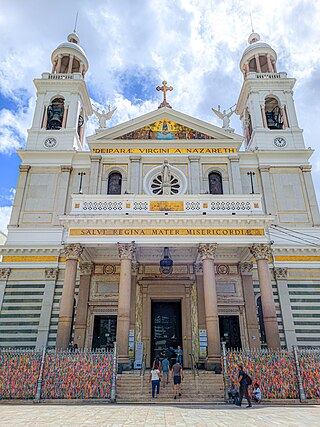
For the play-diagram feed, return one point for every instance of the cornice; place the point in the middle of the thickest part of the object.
(156, 221)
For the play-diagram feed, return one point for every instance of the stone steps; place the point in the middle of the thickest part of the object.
(207, 387)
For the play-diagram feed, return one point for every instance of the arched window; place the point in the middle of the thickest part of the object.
(273, 113)
(261, 321)
(215, 183)
(55, 114)
(114, 183)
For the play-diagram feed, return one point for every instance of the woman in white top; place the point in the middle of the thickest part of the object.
(155, 381)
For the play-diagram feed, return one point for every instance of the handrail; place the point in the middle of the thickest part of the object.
(143, 366)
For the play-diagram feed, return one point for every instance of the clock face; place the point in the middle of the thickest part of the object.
(50, 143)
(280, 142)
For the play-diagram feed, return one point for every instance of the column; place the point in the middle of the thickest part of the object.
(65, 115)
(95, 166)
(70, 64)
(258, 63)
(19, 196)
(281, 275)
(135, 175)
(62, 193)
(81, 68)
(187, 336)
(4, 276)
(51, 275)
(198, 269)
(262, 253)
(284, 116)
(263, 114)
(80, 324)
(54, 63)
(126, 253)
(72, 253)
(236, 177)
(58, 68)
(250, 305)
(134, 284)
(267, 190)
(194, 175)
(274, 66)
(207, 253)
(270, 68)
(45, 117)
(312, 198)
(291, 110)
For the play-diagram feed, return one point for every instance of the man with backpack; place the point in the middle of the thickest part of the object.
(244, 381)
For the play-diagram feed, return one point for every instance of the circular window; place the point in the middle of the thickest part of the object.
(173, 182)
(158, 186)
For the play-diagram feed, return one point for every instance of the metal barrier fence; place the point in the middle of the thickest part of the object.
(47, 374)
(280, 374)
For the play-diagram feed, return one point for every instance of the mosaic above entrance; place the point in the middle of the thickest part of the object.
(165, 129)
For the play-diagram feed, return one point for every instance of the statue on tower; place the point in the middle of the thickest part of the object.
(104, 116)
(225, 117)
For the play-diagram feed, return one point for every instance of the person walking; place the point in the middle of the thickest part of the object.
(177, 374)
(244, 381)
(165, 371)
(179, 352)
(154, 378)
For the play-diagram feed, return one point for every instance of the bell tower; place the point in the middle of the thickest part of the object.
(63, 104)
(265, 104)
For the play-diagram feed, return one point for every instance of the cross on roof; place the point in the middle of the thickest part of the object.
(164, 89)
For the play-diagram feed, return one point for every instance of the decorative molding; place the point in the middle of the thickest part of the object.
(207, 250)
(73, 251)
(198, 268)
(264, 168)
(86, 268)
(306, 168)
(24, 168)
(246, 268)
(127, 250)
(222, 269)
(261, 251)
(66, 168)
(134, 268)
(51, 273)
(5, 273)
(281, 273)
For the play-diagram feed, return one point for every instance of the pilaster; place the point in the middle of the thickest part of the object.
(19, 196)
(135, 174)
(62, 193)
(51, 275)
(281, 276)
(311, 194)
(194, 175)
(236, 177)
(95, 167)
(267, 190)
(4, 276)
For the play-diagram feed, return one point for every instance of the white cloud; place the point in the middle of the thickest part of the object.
(5, 212)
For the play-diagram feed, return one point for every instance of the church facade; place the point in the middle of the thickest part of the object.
(165, 232)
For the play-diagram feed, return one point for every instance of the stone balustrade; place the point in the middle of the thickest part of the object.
(186, 205)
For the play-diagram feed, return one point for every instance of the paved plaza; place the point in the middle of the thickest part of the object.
(157, 415)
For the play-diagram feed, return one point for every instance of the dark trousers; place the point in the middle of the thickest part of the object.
(244, 392)
(155, 385)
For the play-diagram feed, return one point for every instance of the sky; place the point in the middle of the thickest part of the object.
(133, 45)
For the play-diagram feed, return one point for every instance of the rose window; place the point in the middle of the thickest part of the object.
(173, 185)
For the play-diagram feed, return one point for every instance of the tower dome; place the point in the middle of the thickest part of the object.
(258, 57)
(69, 57)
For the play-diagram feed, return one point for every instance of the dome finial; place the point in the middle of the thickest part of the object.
(76, 22)
(251, 23)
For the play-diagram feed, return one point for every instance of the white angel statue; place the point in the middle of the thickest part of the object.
(104, 116)
(224, 116)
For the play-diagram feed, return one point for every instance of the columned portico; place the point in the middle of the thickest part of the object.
(207, 253)
(72, 253)
(126, 253)
(262, 253)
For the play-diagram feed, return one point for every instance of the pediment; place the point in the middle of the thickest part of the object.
(165, 124)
